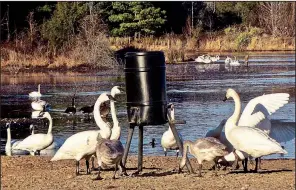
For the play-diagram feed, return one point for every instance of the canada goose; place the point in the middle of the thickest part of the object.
(37, 142)
(10, 145)
(109, 152)
(87, 109)
(71, 109)
(204, 149)
(152, 143)
(243, 134)
(35, 94)
(83, 144)
(168, 141)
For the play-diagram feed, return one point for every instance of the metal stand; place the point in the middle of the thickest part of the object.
(128, 143)
(140, 142)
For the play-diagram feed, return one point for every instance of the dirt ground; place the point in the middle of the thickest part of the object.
(28, 172)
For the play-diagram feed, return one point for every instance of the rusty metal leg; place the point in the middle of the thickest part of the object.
(140, 149)
(128, 143)
(180, 145)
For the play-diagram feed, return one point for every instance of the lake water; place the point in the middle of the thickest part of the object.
(196, 90)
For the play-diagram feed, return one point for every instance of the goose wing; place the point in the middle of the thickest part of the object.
(282, 131)
(260, 107)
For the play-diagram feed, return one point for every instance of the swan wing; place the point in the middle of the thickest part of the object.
(254, 142)
(282, 131)
(77, 145)
(32, 142)
(260, 107)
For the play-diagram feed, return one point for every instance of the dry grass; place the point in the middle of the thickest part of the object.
(92, 49)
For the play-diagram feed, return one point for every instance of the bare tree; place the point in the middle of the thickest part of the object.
(278, 18)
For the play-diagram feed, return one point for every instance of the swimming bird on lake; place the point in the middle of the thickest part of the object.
(71, 109)
(37, 142)
(241, 131)
(39, 105)
(203, 59)
(82, 145)
(35, 94)
(204, 149)
(168, 141)
(49, 151)
(216, 58)
(10, 145)
(87, 109)
(229, 61)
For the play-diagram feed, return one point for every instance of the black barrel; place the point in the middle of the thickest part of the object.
(146, 87)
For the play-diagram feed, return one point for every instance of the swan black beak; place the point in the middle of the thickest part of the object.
(111, 98)
(225, 99)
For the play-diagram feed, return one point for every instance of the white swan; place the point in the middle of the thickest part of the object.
(277, 132)
(204, 149)
(203, 59)
(37, 142)
(35, 94)
(247, 138)
(10, 145)
(229, 61)
(216, 58)
(39, 105)
(49, 151)
(83, 144)
(168, 141)
(116, 129)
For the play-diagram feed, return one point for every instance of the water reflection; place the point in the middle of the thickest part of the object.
(196, 90)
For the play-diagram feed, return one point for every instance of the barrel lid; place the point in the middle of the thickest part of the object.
(144, 53)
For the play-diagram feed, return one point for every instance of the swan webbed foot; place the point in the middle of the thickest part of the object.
(135, 173)
(123, 174)
(180, 171)
(98, 178)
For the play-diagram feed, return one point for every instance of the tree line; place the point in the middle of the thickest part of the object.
(57, 24)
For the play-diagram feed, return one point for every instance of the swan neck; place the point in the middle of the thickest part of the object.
(49, 127)
(116, 128)
(113, 114)
(39, 88)
(97, 116)
(8, 141)
(237, 109)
